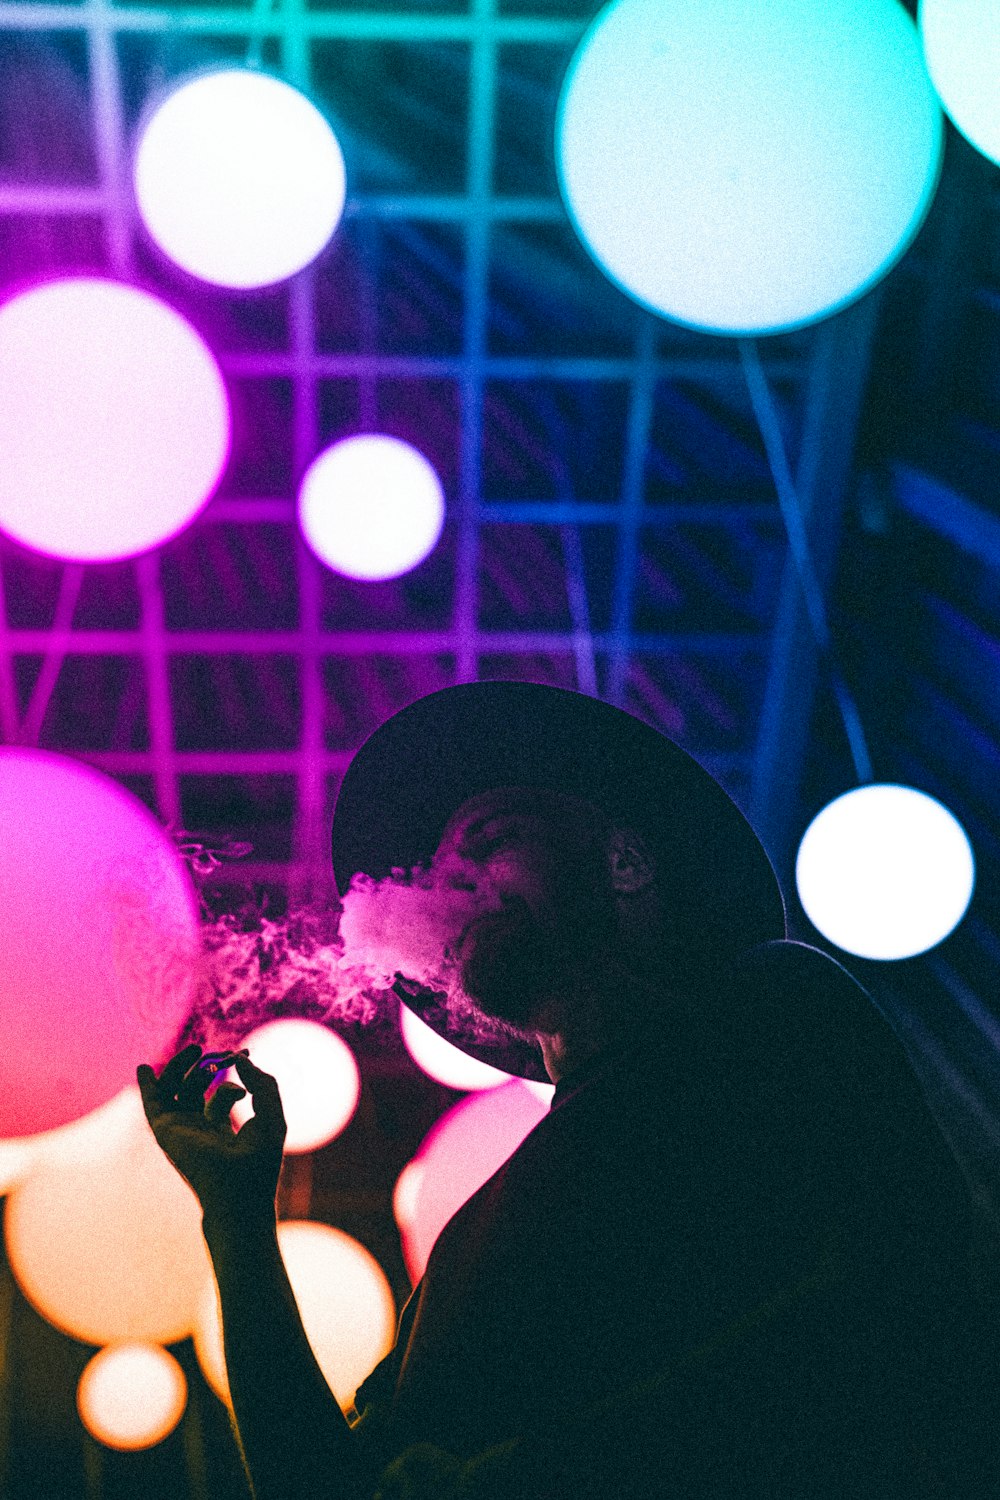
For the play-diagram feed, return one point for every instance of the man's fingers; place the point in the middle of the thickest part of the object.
(146, 1079)
(170, 1079)
(217, 1108)
(264, 1091)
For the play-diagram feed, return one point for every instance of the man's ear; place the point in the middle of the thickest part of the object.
(632, 865)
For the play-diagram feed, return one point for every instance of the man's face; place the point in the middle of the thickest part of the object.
(545, 859)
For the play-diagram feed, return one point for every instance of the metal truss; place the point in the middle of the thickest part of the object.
(659, 374)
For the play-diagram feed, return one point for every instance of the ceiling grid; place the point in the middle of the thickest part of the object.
(620, 369)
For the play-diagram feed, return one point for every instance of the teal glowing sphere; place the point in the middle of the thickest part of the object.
(745, 167)
(962, 47)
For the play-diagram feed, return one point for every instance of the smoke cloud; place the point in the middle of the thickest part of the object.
(333, 962)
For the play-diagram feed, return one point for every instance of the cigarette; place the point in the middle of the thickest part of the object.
(214, 1062)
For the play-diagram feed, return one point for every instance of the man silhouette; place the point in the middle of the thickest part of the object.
(733, 1259)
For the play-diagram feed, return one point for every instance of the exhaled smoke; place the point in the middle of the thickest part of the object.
(331, 963)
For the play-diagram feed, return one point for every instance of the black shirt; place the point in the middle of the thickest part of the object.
(740, 1240)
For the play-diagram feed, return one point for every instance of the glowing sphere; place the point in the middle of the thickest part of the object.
(443, 1062)
(101, 938)
(371, 507)
(748, 168)
(16, 1158)
(114, 420)
(343, 1297)
(239, 178)
(464, 1148)
(885, 872)
(317, 1076)
(962, 47)
(404, 1194)
(104, 1237)
(131, 1395)
(111, 1121)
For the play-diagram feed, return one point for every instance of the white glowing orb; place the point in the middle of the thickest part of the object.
(101, 940)
(748, 168)
(114, 420)
(885, 872)
(462, 1150)
(131, 1395)
(962, 47)
(442, 1061)
(371, 507)
(104, 1236)
(317, 1077)
(345, 1301)
(239, 178)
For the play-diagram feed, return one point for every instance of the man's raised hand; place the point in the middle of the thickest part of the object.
(234, 1174)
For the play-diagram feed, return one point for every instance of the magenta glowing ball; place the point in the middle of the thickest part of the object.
(114, 420)
(100, 943)
(461, 1152)
(442, 1060)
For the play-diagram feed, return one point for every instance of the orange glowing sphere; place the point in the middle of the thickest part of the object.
(131, 1395)
(104, 1237)
(317, 1076)
(462, 1150)
(343, 1296)
(16, 1158)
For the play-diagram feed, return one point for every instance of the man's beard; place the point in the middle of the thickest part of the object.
(509, 965)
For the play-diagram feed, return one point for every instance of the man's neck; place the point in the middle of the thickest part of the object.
(574, 1031)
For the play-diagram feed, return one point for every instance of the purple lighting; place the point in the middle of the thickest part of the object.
(114, 420)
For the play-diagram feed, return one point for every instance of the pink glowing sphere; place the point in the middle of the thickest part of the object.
(100, 940)
(114, 420)
(443, 1061)
(463, 1149)
(317, 1077)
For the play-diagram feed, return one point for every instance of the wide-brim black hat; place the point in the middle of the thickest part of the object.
(419, 766)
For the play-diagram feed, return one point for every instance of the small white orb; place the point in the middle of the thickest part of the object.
(131, 1396)
(371, 507)
(962, 47)
(885, 872)
(748, 168)
(317, 1077)
(239, 178)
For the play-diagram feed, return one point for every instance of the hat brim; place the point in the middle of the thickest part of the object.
(419, 766)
